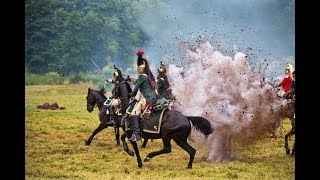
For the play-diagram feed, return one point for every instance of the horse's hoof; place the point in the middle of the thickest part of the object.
(140, 165)
(142, 146)
(189, 167)
(287, 151)
(131, 153)
(87, 143)
(146, 159)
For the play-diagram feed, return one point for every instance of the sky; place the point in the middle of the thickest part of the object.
(264, 29)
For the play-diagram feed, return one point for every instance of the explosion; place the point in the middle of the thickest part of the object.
(240, 104)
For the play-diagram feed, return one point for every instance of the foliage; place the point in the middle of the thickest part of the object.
(48, 78)
(54, 147)
(62, 36)
(53, 78)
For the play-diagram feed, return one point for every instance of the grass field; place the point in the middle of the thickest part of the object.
(54, 147)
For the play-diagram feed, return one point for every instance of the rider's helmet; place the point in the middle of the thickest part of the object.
(289, 69)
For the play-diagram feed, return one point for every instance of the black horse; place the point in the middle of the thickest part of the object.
(121, 91)
(95, 97)
(176, 126)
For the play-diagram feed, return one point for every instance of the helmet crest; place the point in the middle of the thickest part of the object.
(140, 52)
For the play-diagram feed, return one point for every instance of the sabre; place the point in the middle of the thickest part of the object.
(98, 68)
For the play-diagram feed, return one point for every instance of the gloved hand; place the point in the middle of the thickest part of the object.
(109, 80)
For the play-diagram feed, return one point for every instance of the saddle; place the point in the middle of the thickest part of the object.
(160, 104)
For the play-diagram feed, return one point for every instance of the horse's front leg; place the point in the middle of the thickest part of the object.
(144, 144)
(136, 150)
(116, 131)
(125, 145)
(286, 141)
(293, 151)
(96, 131)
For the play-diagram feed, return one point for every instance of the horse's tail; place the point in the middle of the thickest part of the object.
(201, 124)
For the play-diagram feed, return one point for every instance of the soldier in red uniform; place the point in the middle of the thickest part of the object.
(286, 81)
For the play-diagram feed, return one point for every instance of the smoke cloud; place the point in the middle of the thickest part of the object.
(241, 104)
(266, 27)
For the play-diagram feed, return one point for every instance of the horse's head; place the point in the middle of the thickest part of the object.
(91, 102)
(94, 97)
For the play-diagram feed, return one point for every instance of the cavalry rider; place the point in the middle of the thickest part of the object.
(163, 83)
(291, 93)
(286, 81)
(146, 85)
(117, 80)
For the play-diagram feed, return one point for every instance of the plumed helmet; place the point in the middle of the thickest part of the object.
(140, 52)
(141, 63)
(162, 68)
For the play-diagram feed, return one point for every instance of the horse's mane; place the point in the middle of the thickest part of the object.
(101, 92)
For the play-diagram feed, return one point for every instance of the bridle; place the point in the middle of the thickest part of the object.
(91, 102)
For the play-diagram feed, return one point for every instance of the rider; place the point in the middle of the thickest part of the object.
(291, 93)
(286, 81)
(163, 83)
(117, 79)
(146, 85)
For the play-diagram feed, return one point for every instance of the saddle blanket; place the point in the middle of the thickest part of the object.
(153, 124)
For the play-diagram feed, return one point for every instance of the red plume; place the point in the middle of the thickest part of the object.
(140, 52)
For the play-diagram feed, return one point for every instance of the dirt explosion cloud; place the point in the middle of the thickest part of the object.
(240, 103)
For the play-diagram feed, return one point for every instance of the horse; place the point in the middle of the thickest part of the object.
(279, 126)
(290, 95)
(94, 97)
(176, 126)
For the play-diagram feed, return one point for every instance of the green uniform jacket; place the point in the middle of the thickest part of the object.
(145, 88)
(161, 85)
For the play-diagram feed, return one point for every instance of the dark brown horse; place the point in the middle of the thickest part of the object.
(174, 126)
(97, 98)
(121, 91)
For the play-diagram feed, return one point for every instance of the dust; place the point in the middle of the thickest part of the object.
(239, 102)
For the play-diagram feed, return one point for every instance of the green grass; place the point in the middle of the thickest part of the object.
(54, 147)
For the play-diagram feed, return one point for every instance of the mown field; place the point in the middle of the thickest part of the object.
(55, 149)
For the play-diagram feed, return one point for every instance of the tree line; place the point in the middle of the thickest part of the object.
(61, 35)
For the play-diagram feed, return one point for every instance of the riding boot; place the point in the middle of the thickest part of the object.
(112, 116)
(135, 127)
